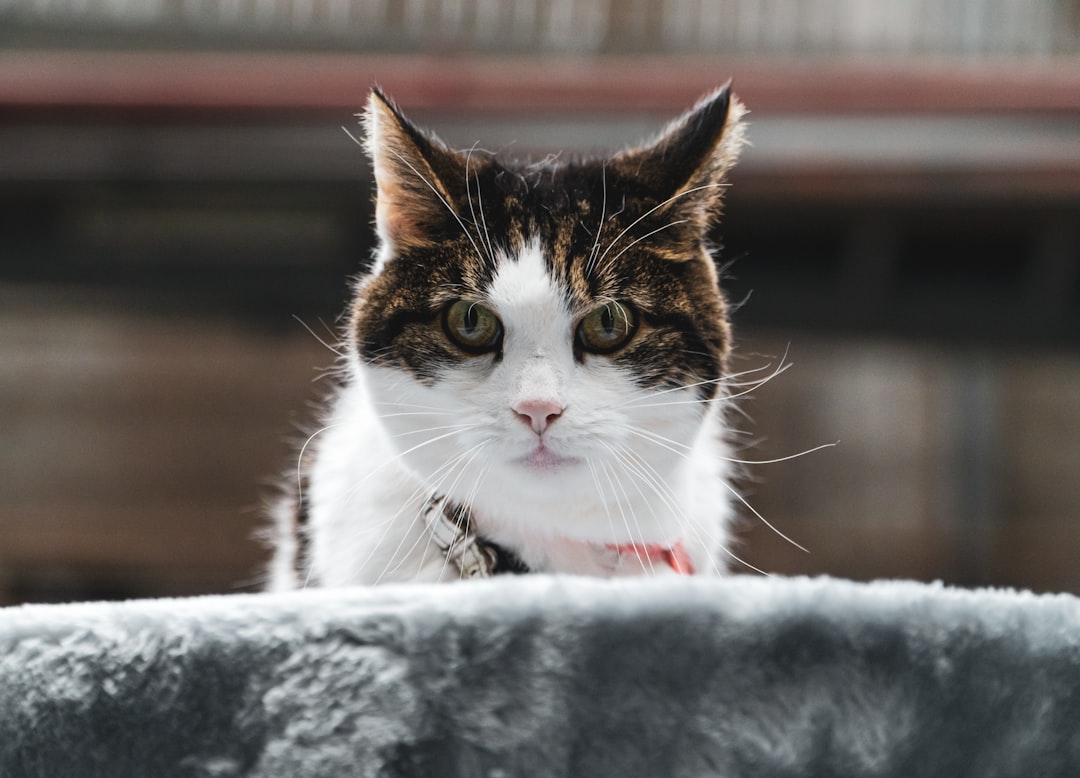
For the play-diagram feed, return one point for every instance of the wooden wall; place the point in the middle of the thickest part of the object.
(137, 450)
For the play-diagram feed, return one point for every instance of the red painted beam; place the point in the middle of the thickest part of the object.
(192, 81)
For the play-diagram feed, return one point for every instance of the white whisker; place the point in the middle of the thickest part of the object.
(421, 493)
(652, 210)
(748, 386)
(414, 413)
(381, 403)
(610, 473)
(300, 459)
(600, 226)
(600, 496)
(788, 458)
(633, 243)
(434, 191)
(458, 427)
(663, 491)
(660, 440)
(470, 498)
(447, 490)
(654, 481)
(657, 438)
(652, 437)
(752, 509)
(485, 237)
(334, 350)
(401, 455)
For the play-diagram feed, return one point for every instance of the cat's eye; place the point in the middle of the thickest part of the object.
(607, 328)
(472, 327)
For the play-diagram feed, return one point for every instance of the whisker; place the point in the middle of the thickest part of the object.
(721, 398)
(330, 372)
(788, 458)
(317, 337)
(600, 226)
(633, 516)
(660, 440)
(752, 387)
(763, 520)
(753, 370)
(434, 191)
(658, 484)
(655, 482)
(483, 222)
(635, 402)
(410, 405)
(457, 427)
(414, 413)
(736, 408)
(647, 435)
(743, 562)
(421, 489)
(475, 451)
(657, 438)
(600, 496)
(609, 473)
(633, 243)
(300, 459)
(421, 492)
(402, 454)
(470, 497)
(479, 197)
(749, 386)
(652, 210)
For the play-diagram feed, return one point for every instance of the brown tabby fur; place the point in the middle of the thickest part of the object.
(628, 228)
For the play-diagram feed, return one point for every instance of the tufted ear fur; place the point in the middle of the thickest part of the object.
(689, 161)
(415, 173)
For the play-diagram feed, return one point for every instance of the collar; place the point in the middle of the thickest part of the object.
(454, 532)
(654, 555)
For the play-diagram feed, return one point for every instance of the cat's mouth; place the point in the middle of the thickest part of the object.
(543, 460)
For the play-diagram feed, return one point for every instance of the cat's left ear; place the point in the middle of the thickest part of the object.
(413, 174)
(689, 161)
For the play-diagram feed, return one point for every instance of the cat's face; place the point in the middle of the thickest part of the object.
(544, 342)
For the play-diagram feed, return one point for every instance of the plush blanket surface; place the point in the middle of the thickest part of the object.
(538, 676)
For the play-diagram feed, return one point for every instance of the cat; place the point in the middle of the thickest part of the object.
(534, 367)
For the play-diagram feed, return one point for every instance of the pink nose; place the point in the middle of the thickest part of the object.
(538, 414)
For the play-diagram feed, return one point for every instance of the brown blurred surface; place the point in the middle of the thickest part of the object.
(134, 447)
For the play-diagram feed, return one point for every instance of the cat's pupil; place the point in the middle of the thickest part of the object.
(607, 320)
(471, 320)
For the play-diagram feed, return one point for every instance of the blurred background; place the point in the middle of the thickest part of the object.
(179, 204)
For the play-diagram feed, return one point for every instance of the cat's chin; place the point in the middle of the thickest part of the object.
(544, 461)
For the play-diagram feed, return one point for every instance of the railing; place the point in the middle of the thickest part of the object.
(965, 28)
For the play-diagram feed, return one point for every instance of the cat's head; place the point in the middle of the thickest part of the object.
(540, 338)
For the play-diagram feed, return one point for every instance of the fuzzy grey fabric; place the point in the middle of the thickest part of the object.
(538, 676)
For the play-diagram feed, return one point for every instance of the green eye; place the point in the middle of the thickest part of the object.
(472, 327)
(607, 328)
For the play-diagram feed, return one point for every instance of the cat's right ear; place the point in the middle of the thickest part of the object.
(688, 163)
(411, 168)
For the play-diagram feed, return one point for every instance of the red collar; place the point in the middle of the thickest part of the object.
(674, 556)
